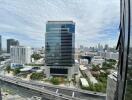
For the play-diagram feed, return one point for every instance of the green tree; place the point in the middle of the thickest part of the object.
(91, 86)
(55, 81)
(36, 56)
(107, 65)
(98, 87)
(16, 71)
(37, 76)
(95, 68)
(112, 61)
(8, 69)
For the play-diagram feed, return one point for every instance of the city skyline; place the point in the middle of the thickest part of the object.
(66, 49)
(94, 24)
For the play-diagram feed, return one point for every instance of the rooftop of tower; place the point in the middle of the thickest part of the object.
(60, 22)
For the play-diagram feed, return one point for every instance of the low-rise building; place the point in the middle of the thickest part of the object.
(97, 60)
(84, 82)
(20, 55)
(84, 61)
(109, 55)
(86, 73)
(112, 55)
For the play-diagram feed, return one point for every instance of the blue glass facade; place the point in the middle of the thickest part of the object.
(60, 43)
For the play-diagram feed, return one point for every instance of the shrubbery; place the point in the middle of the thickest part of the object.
(16, 71)
(107, 65)
(36, 56)
(95, 68)
(98, 87)
(37, 76)
(55, 81)
(8, 69)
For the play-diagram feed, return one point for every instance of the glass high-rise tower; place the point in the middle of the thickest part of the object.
(11, 42)
(59, 46)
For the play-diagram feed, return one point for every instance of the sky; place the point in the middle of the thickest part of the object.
(97, 21)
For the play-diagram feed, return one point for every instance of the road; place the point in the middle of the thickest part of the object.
(55, 91)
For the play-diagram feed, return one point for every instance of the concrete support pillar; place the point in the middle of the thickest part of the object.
(47, 71)
(70, 73)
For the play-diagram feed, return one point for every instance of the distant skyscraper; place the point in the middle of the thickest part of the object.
(0, 44)
(106, 47)
(81, 47)
(100, 47)
(60, 47)
(42, 51)
(20, 55)
(11, 42)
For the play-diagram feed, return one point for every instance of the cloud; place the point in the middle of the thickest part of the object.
(96, 20)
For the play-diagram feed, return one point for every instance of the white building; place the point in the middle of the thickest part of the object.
(84, 82)
(97, 60)
(84, 61)
(20, 55)
(102, 54)
(112, 55)
(109, 55)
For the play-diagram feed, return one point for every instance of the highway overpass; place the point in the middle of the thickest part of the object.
(53, 92)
